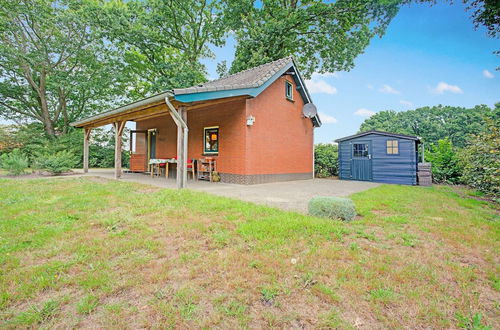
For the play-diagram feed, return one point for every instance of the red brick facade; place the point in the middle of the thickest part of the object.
(278, 146)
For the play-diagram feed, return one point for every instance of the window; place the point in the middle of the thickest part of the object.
(211, 136)
(360, 150)
(288, 90)
(392, 147)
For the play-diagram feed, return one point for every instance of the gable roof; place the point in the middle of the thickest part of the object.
(250, 78)
(249, 82)
(395, 135)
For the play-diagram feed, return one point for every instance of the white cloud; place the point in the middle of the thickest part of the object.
(444, 87)
(317, 86)
(327, 119)
(364, 112)
(488, 74)
(369, 86)
(407, 103)
(388, 90)
(326, 74)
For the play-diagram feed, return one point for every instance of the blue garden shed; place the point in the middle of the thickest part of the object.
(380, 157)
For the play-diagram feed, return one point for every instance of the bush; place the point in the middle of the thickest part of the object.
(33, 142)
(326, 160)
(481, 161)
(445, 162)
(332, 207)
(14, 162)
(57, 163)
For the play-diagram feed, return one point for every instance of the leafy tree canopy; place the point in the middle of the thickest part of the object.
(53, 67)
(323, 36)
(433, 123)
(162, 40)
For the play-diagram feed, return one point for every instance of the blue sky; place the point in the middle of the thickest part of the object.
(429, 55)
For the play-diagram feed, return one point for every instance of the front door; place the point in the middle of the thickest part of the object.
(361, 163)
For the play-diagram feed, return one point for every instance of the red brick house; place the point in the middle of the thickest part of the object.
(252, 123)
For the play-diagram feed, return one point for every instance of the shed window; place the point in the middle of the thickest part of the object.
(211, 136)
(392, 147)
(288, 90)
(360, 150)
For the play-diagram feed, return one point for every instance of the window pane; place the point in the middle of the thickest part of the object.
(360, 150)
(288, 89)
(211, 140)
(392, 147)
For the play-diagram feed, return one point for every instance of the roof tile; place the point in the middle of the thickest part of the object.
(250, 78)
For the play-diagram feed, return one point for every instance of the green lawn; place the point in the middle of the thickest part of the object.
(85, 252)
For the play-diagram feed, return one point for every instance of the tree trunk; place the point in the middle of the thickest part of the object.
(42, 94)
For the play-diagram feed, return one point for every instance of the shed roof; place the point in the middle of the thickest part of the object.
(395, 135)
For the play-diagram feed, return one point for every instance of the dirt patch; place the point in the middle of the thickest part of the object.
(37, 175)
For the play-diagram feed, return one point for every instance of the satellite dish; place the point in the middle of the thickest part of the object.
(309, 110)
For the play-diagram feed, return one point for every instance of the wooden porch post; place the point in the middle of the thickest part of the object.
(180, 117)
(183, 114)
(182, 151)
(119, 126)
(86, 138)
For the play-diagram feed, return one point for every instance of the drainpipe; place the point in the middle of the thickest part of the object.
(423, 153)
(181, 157)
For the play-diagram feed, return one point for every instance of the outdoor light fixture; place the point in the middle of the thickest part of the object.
(250, 120)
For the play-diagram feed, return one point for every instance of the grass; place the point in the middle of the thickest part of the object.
(87, 252)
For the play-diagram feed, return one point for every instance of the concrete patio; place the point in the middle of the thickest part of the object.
(289, 195)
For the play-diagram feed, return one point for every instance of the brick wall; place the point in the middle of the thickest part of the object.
(230, 117)
(281, 140)
(279, 146)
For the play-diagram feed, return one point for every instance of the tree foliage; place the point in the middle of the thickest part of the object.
(323, 36)
(162, 40)
(53, 66)
(445, 162)
(433, 123)
(481, 159)
(486, 13)
(326, 160)
(32, 142)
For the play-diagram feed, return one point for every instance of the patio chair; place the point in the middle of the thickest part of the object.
(190, 167)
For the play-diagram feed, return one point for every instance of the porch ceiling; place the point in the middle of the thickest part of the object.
(143, 110)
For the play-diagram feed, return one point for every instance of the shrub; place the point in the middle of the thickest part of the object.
(14, 162)
(481, 161)
(57, 163)
(445, 162)
(326, 160)
(332, 207)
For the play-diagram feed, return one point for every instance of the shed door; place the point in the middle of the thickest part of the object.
(361, 161)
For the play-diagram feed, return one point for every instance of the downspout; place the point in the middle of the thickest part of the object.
(181, 182)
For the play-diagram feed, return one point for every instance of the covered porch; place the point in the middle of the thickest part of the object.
(148, 114)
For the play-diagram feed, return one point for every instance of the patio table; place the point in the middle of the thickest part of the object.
(155, 163)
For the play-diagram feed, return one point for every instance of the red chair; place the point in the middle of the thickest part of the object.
(190, 167)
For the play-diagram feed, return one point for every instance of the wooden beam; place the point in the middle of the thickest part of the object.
(131, 115)
(119, 126)
(86, 139)
(204, 104)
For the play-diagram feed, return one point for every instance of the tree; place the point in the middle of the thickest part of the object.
(486, 13)
(432, 123)
(323, 36)
(481, 159)
(53, 68)
(326, 160)
(445, 162)
(162, 40)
